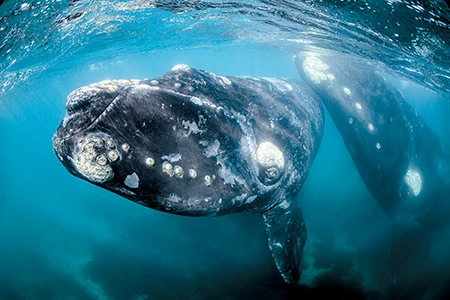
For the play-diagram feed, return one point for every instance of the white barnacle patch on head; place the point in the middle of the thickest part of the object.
(149, 161)
(414, 181)
(358, 106)
(167, 168)
(269, 155)
(90, 162)
(132, 181)
(347, 91)
(370, 127)
(154, 82)
(315, 69)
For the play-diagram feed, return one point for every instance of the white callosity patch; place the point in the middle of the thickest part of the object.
(167, 168)
(370, 127)
(178, 171)
(113, 155)
(347, 91)
(414, 181)
(268, 155)
(358, 106)
(212, 149)
(149, 161)
(172, 157)
(192, 173)
(89, 163)
(316, 69)
(192, 127)
(132, 181)
(196, 101)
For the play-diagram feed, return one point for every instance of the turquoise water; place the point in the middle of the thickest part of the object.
(62, 238)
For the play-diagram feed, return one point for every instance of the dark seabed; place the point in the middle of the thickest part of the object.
(62, 238)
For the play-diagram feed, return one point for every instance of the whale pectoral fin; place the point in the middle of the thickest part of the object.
(286, 233)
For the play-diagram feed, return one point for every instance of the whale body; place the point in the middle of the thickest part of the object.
(198, 144)
(402, 162)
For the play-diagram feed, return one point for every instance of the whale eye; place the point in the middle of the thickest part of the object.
(270, 162)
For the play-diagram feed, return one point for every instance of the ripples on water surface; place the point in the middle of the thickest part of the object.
(65, 239)
(411, 37)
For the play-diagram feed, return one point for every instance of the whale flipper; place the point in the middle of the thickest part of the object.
(286, 233)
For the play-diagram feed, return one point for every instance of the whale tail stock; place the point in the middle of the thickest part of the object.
(286, 233)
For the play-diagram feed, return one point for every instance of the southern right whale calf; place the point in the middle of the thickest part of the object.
(195, 143)
(400, 159)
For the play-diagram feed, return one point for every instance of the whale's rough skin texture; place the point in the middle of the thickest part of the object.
(401, 161)
(195, 143)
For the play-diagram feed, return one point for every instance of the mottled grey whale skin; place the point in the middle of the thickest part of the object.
(400, 159)
(198, 144)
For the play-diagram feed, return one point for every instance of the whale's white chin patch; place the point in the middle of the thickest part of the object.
(92, 164)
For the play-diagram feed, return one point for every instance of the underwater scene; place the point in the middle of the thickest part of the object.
(157, 149)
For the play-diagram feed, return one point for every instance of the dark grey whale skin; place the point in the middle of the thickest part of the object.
(400, 159)
(194, 143)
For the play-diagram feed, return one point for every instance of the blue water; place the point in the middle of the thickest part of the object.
(62, 238)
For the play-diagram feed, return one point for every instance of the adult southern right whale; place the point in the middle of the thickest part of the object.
(401, 161)
(195, 143)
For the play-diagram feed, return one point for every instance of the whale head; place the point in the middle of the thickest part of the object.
(164, 149)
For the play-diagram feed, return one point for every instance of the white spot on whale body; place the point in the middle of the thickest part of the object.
(172, 157)
(132, 181)
(350, 121)
(358, 106)
(149, 161)
(378, 145)
(268, 155)
(212, 149)
(314, 69)
(370, 127)
(125, 147)
(192, 173)
(414, 181)
(192, 127)
(347, 91)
